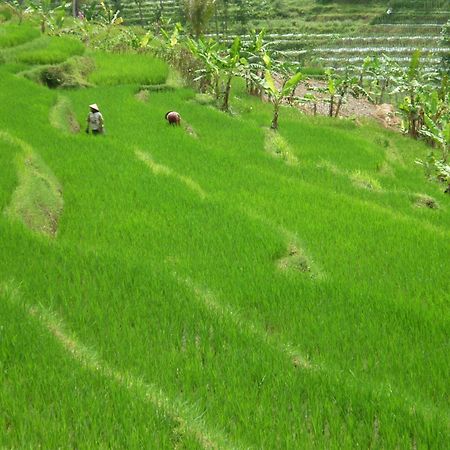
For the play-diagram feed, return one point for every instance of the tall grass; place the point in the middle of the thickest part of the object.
(50, 50)
(152, 291)
(11, 35)
(113, 69)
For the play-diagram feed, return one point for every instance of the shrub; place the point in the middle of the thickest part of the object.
(5, 14)
(71, 74)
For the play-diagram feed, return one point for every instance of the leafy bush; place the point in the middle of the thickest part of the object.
(11, 35)
(70, 74)
(112, 69)
(5, 14)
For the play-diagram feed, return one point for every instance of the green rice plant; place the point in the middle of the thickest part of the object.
(50, 50)
(161, 294)
(365, 181)
(12, 35)
(113, 69)
(277, 146)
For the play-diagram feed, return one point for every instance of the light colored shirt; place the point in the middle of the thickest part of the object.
(95, 120)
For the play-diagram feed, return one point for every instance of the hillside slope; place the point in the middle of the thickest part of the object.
(321, 33)
(213, 285)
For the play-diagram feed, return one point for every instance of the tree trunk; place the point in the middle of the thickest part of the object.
(339, 105)
(291, 97)
(276, 113)
(412, 116)
(226, 97)
(382, 91)
(75, 8)
(217, 88)
(331, 106)
(43, 26)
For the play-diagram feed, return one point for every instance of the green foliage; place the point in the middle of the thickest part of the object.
(5, 13)
(12, 35)
(198, 13)
(437, 169)
(70, 74)
(50, 50)
(180, 304)
(20, 9)
(51, 16)
(111, 69)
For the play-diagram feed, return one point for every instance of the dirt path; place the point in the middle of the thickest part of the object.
(384, 114)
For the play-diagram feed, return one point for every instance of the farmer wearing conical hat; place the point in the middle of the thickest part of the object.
(94, 120)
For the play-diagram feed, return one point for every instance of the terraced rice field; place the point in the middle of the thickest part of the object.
(195, 287)
(327, 35)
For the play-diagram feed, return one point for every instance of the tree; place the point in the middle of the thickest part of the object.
(75, 8)
(230, 64)
(207, 53)
(383, 72)
(198, 13)
(277, 94)
(254, 52)
(19, 8)
(440, 134)
(47, 13)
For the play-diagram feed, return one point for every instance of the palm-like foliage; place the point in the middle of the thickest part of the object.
(19, 8)
(198, 13)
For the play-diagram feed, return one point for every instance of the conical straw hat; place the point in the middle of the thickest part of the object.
(94, 106)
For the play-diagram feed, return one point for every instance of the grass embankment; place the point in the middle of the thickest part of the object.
(37, 200)
(289, 306)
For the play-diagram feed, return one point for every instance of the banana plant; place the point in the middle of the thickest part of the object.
(383, 72)
(310, 100)
(437, 168)
(19, 8)
(171, 42)
(347, 84)
(50, 16)
(207, 53)
(109, 16)
(330, 90)
(439, 133)
(254, 52)
(412, 84)
(230, 64)
(278, 94)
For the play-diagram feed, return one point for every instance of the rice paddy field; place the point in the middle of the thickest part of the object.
(324, 33)
(211, 285)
